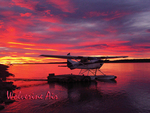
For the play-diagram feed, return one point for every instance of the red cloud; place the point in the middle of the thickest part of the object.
(26, 14)
(25, 3)
(64, 5)
(5, 3)
(50, 19)
(1, 24)
(6, 13)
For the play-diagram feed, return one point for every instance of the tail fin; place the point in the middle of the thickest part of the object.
(70, 63)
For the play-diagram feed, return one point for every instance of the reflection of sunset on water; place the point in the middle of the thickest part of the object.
(123, 71)
(131, 84)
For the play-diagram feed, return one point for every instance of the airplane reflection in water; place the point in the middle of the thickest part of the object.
(79, 92)
(90, 98)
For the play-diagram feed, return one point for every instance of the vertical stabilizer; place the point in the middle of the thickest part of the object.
(70, 63)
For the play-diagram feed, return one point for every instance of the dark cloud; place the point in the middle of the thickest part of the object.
(98, 46)
(148, 30)
(39, 7)
(23, 40)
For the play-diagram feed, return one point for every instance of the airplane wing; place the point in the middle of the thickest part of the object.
(82, 57)
(64, 56)
(109, 57)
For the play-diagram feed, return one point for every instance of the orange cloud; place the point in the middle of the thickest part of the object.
(21, 44)
(41, 49)
(30, 53)
(9, 59)
(20, 60)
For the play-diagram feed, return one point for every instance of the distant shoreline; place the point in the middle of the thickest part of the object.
(129, 61)
(106, 61)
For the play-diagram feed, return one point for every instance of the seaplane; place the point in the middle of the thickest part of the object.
(87, 64)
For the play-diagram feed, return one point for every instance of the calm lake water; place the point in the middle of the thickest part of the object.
(130, 93)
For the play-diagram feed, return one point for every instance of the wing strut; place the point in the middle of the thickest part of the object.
(90, 70)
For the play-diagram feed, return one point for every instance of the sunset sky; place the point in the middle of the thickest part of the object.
(29, 28)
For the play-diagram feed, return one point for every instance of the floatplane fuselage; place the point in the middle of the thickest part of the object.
(84, 63)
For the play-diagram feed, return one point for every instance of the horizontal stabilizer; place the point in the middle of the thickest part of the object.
(62, 66)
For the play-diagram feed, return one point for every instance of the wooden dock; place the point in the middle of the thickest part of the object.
(71, 78)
